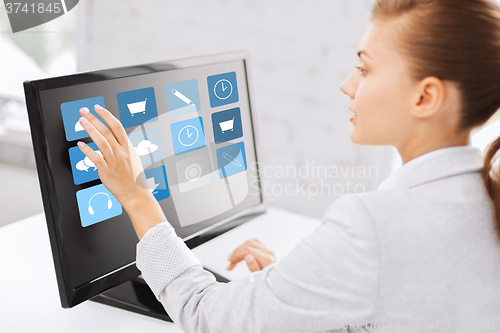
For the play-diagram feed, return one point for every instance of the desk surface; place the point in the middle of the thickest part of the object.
(29, 298)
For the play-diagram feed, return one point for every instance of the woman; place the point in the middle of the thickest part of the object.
(421, 254)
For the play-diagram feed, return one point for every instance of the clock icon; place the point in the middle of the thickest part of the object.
(188, 135)
(223, 89)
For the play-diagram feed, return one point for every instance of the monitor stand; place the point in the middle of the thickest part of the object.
(136, 296)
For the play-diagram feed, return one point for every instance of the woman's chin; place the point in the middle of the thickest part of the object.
(360, 139)
(357, 138)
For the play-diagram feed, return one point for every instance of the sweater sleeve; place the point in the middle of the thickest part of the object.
(328, 281)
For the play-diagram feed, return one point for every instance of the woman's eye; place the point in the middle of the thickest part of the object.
(362, 70)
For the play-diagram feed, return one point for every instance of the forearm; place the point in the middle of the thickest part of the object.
(144, 211)
(198, 303)
(329, 278)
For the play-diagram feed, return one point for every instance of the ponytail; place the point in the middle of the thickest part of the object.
(491, 173)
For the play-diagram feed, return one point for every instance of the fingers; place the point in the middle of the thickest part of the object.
(105, 132)
(256, 249)
(95, 157)
(258, 241)
(252, 264)
(113, 123)
(97, 137)
(241, 251)
(254, 241)
(232, 265)
(263, 257)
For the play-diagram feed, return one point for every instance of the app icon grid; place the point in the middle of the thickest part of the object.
(137, 107)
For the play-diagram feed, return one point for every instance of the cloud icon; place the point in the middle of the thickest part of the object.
(78, 126)
(86, 163)
(145, 147)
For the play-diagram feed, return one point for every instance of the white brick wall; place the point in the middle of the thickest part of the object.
(300, 53)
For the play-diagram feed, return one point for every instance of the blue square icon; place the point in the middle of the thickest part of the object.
(227, 125)
(137, 107)
(182, 97)
(231, 160)
(148, 145)
(222, 89)
(71, 116)
(188, 135)
(82, 167)
(97, 204)
(156, 179)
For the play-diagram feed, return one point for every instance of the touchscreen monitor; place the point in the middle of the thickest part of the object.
(190, 121)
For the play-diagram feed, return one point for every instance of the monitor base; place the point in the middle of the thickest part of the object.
(136, 296)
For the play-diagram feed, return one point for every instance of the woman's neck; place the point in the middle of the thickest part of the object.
(416, 147)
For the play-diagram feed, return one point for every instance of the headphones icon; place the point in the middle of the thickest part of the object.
(110, 203)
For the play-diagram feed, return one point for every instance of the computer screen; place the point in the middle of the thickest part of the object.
(190, 121)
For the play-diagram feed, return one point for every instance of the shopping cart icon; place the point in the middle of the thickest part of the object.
(227, 125)
(137, 107)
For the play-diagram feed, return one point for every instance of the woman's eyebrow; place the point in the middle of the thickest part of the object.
(363, 52)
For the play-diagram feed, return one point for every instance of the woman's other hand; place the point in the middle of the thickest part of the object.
(120, 168)
(254, 253)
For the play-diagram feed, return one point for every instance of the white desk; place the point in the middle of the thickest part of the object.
(29, 298)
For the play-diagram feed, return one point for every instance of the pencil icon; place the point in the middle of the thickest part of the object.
(231, 159)
(182, 97)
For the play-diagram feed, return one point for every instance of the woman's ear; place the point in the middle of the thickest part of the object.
(431, 93)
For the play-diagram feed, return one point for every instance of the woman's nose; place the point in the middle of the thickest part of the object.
(348, 87)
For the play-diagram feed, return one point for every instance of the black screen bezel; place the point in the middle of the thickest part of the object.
(72, 296)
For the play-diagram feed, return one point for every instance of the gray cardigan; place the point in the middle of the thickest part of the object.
(420, 256)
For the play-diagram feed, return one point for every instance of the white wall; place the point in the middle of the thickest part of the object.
(300, 53)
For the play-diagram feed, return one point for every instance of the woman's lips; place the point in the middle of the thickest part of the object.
(355, 115)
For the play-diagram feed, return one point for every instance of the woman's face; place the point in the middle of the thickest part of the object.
(380, 91)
